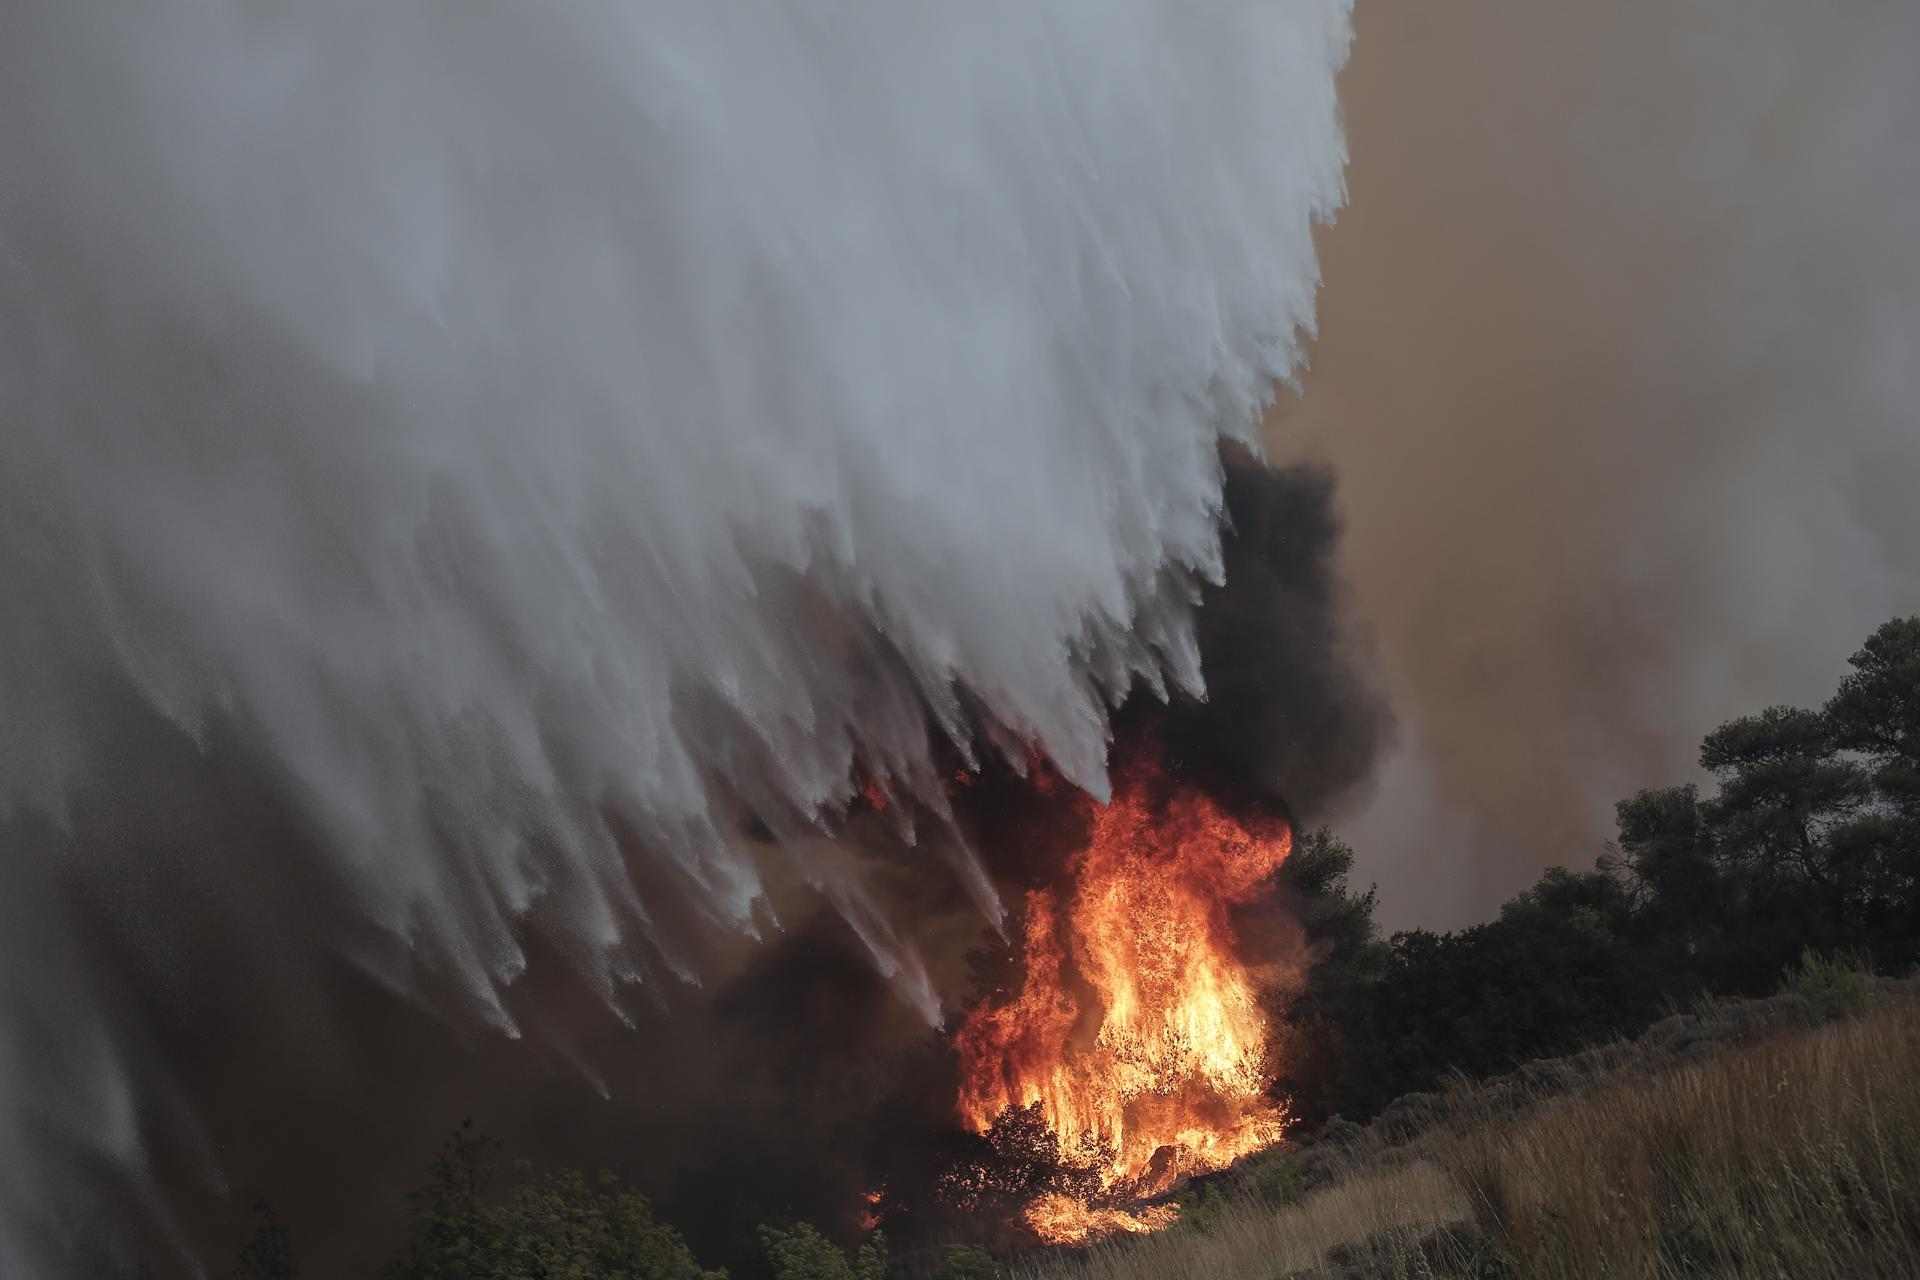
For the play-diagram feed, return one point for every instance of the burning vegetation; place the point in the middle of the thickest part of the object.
(1137, 1035)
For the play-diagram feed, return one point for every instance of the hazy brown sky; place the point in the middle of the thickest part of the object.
(1616, 363)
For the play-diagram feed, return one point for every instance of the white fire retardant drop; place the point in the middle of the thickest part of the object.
(522, 422)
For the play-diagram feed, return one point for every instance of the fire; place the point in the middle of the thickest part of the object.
(1060, 1219)
(1138, 1028)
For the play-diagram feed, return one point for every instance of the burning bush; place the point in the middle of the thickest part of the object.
(1137, 1043)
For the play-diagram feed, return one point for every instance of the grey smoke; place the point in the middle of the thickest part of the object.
(1616, 368)
(526, 442)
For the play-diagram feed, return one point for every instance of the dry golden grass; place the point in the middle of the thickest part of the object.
(1796, 1158)
(1247, 1238)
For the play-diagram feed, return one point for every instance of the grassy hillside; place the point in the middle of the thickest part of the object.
(1767, 1138)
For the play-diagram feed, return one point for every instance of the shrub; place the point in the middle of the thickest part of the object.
(550, 1227)
(800, 1252)
(1829, 987)
(964, 1262)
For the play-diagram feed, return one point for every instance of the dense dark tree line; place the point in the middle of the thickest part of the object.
(1809, 841)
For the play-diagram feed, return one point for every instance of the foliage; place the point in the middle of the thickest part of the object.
(551, 1227)
(1809, 844)
(1272, 1179)
(1829, 987)
(1348, 961)
(799, 1252)
(1315, 875)
(989, 1178)
(1277, 1178)
(1560, 966)
(964, 1262)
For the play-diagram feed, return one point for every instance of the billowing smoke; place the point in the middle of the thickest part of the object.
(1616, 367)
(1292, 717)
(470, 475)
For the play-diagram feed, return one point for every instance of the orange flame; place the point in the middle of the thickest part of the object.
(1059, 1219)
(871, 1205)
(1138, 1028)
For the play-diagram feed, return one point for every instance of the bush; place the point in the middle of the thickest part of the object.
(800, 1252)
(1277, 1179)
(964, 1262)
(1270, 1180)
(550, 1227)
(1829, 987)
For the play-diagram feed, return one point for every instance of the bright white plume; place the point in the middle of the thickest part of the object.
(522, 423)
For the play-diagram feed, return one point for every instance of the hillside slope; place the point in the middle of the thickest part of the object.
(1776, 1137)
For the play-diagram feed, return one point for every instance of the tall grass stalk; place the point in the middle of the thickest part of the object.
(1798, 1156)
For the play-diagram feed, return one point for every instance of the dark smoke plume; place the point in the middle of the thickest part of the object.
(1292, 715)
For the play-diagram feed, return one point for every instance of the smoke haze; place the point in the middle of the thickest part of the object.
(468, 473)
(1616, 369)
